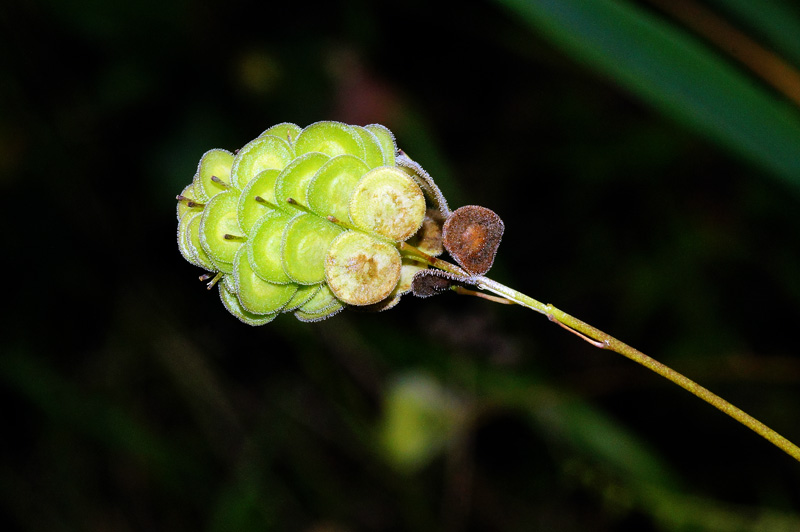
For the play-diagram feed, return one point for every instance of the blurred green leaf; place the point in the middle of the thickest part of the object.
(675, 73)
(777, 21)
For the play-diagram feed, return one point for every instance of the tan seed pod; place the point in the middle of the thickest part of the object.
(360, 269)
(388, 202)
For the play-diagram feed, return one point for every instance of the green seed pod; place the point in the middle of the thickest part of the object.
(306, 240)
(386, 140)
(255, 294)
(264, 248)
(330, 191)
(330, 138)
(310, 221)
(257, 199)
(187, 202)
(373, 153)
(323, 305)
(214, 164)
(286, 131)
(319, 316)
(264, 153)
(293, 181)
(220, 234)
(231, 302)
(302, 296)
(323, 299)
(189, 242)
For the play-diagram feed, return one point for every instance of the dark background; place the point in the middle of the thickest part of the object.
(133, 401)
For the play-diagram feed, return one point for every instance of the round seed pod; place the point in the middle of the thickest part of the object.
(323, 300)
(231, 302)
(323, 305)
(264, 153)
(360, 269)
(264, 247)
(285, 130)
(373, 154)
(187, 202)
(330, 138)
(302, 296)
(386, 141)
(388, 202)
(214, 163)
(255, 294)
(472, 235)
(318, 316)
(250, 209)
(330, 190)
(293, 181)
(220, 234)
(306, 240)
(189, 242)
(196, 248)
(407, 271)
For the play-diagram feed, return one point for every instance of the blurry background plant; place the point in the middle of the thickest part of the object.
(648, 182)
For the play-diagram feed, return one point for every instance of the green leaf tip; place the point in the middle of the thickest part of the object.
(314, 220)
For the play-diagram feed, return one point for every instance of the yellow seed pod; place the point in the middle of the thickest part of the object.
(388, 202)
(360, 269)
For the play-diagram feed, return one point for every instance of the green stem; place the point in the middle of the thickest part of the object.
(602, 340)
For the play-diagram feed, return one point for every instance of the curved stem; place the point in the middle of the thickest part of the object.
(602, 340)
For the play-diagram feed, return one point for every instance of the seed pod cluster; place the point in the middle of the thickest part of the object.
(307, 221)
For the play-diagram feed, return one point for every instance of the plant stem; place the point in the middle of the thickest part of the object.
(602, 340)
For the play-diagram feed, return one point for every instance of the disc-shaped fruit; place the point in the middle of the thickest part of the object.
(388, 202)
(386, 141)
(304, 294)
(189, 242)
(360, 269)
(187, 202)
(472, 235)
(249, 209)
(330, 138)
(323, 299)
(220, 234)
(285, 130)
(294, 179)
(231, 302)
(330, 191)
(255, 294)
(319, 316)
(306, 240)
(199, 254)
(373, 155)
(264, 153)
(264, 247)
(214, 163)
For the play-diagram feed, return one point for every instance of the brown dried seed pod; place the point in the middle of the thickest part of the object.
(431, 282)
(472, 235)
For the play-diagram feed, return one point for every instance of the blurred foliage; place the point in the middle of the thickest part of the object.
(633, 162)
